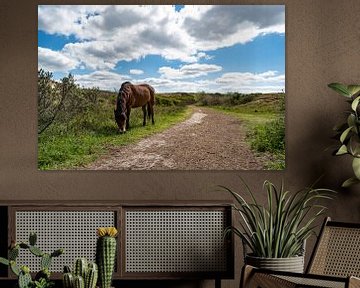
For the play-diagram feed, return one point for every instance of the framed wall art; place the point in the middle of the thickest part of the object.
(161, 87)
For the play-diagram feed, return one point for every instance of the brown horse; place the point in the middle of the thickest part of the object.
(132, 96)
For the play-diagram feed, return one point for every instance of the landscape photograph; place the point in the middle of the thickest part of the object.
(161, 87)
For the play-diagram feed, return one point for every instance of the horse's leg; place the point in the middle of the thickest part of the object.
(151, 112)
(144, 114)
(128, 118)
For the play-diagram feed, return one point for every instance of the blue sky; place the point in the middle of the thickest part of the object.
(238, 48)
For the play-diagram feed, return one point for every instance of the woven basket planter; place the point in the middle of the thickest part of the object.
(291, 264)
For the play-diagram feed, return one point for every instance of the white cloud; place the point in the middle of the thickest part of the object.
(188, 71)
(266, 82)
(269, 81)
(104, 80)
(136, 71)
(247, 78)
(55, 61)
(109, 34)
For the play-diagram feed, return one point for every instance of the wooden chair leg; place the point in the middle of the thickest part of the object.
(217, 283)
(246, 273)
(251, 279)
(354, 282)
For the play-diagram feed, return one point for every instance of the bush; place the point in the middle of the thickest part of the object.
(269, 137)
(61, 102)
(230, 99)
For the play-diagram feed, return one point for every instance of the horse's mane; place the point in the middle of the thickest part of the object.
(125, 84)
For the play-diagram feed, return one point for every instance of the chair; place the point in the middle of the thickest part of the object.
(335, 262)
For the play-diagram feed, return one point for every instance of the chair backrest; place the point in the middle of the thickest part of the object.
(337, 251)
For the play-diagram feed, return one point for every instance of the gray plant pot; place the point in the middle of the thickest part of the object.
(291, 264)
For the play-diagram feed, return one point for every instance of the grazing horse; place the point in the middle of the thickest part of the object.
(132, 96)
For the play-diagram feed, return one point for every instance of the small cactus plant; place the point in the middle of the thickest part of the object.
(105, 254)
(85, 275)
(42, 278)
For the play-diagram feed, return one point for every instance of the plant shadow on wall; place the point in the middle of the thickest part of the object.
(349, 132)
(276, 232)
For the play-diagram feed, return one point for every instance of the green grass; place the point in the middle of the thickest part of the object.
(94, 136)
(78, 137)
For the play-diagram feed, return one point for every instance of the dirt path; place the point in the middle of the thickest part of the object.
(208, 140)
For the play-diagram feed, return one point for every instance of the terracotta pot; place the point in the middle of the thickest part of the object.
(291, 264)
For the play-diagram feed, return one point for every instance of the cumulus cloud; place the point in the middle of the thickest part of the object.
(109, 34)
(247, 78)
(266, 82)
(269, 81)
(104, 80)
(55, 61)
(136, 71)
(188, 71)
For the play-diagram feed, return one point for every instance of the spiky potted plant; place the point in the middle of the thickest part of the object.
(84, 274)
(274, 234)
(106, 254)
(349, 131)
(42, 278)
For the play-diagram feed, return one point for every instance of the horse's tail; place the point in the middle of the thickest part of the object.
(151, 103)
(152, 94)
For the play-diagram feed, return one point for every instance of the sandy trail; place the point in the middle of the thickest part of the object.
(208, 140)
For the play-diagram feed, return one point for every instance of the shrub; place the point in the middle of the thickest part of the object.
(269, 137)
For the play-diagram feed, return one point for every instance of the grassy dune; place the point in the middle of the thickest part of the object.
(79, 136)
(88, 135)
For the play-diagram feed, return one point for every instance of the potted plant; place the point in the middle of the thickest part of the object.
(84, 274)
(42, 278)
(349, 132)
(276, 233)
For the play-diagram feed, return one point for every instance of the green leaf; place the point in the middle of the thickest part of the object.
(354, 145)
(342, 150)
(340, 88)
(345, 134)
(353, 89)
(351, 120)
(356, 167)
(355, 103)
(349, 182)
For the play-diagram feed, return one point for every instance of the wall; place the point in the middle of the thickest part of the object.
(323, 46)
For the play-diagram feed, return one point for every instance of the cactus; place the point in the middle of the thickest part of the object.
(45, 261)
(67, 269)
(32, 238)
(105, 254)
(79, 282)
(80, 267)
(23, 273)
(36, 251)
(14, 268)
(44, 273)
(13, 253)
(4, 261)
(57, 252)
(24, 280)
(91, 276)
(68, 280)
(87, 272)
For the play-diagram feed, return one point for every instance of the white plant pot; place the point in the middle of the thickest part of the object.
(291, 264)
